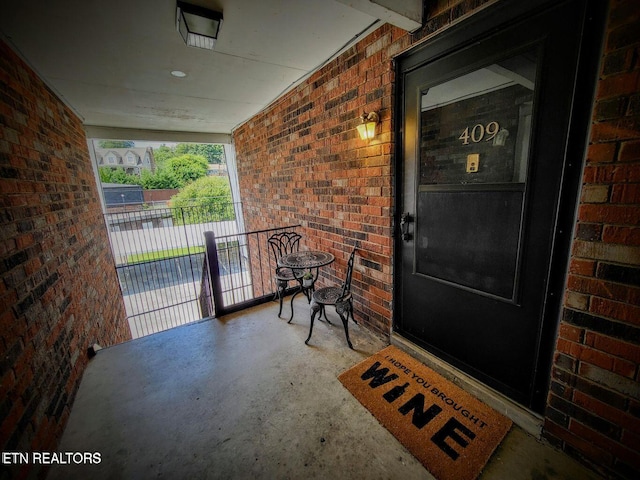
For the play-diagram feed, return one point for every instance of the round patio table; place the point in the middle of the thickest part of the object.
(310, 260)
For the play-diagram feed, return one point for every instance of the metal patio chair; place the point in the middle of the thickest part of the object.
(281, 244)
(340, 297)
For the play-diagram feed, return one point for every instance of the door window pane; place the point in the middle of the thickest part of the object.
(475, 128)
(474, 145)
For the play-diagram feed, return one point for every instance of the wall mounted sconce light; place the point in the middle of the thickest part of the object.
(198, 26)
(367, 129)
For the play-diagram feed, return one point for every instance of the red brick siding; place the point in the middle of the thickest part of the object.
(59, 293)
(593, 409)
(300, 161)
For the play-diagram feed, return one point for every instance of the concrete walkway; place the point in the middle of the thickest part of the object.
(243, 397)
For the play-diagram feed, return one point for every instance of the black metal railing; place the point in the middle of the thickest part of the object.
(159, 255)
(178, 265)
(237, 272)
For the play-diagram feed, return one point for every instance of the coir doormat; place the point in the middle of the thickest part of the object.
(452, 433)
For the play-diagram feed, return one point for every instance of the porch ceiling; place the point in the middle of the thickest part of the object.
(111, 61)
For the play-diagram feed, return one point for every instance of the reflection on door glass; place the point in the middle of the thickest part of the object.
(476, 128)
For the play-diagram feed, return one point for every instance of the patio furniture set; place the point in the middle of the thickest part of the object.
(302, 267)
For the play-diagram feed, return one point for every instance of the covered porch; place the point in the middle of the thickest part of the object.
(242, 396)
(285, 97)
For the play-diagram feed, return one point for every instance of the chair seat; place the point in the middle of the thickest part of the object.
(327, 295)
(285, 275)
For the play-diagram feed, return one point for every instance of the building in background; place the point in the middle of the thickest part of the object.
(133, 160)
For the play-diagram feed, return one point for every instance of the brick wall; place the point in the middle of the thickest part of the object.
(594, 403)
(300, 161)
(59, 293)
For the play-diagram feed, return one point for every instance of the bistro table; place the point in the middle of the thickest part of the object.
(305, 261)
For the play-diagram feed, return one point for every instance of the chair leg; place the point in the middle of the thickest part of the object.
(280, 292)
(345, 322)
(344, 309)
(308, 292)
(315, 308)
(324, 312)
(281, 288)
(351, 311)
(293, 297)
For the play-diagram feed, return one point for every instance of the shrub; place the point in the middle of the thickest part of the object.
(208, 199)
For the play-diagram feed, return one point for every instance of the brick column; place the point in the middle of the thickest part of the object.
(594, 407)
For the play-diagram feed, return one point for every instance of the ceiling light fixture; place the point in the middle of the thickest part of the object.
(178, 73)
(198, 26)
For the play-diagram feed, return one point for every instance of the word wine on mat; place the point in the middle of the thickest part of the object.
(451, 432)
(450, 437)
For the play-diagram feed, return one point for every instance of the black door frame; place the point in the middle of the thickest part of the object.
(478, 26)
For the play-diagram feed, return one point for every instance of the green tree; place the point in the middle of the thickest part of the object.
(208, 199)
(117, 175)
(159, 180)
(173, 170)
(105, 174)
(187, 168)
(212, 152)
(116, 143)
(162, 155)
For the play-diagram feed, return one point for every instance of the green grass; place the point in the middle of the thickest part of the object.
(163, 254)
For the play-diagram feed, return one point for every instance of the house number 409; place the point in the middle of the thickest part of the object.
(479, 132)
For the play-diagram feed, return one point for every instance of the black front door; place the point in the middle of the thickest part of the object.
(487, 193)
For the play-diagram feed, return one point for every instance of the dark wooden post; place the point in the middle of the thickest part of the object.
(214, 273)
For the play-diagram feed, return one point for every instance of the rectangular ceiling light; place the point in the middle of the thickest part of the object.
(198, 26)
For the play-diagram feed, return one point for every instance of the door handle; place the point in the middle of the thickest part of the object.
(405, 220)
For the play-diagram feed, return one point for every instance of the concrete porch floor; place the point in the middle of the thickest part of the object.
(243, 397)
